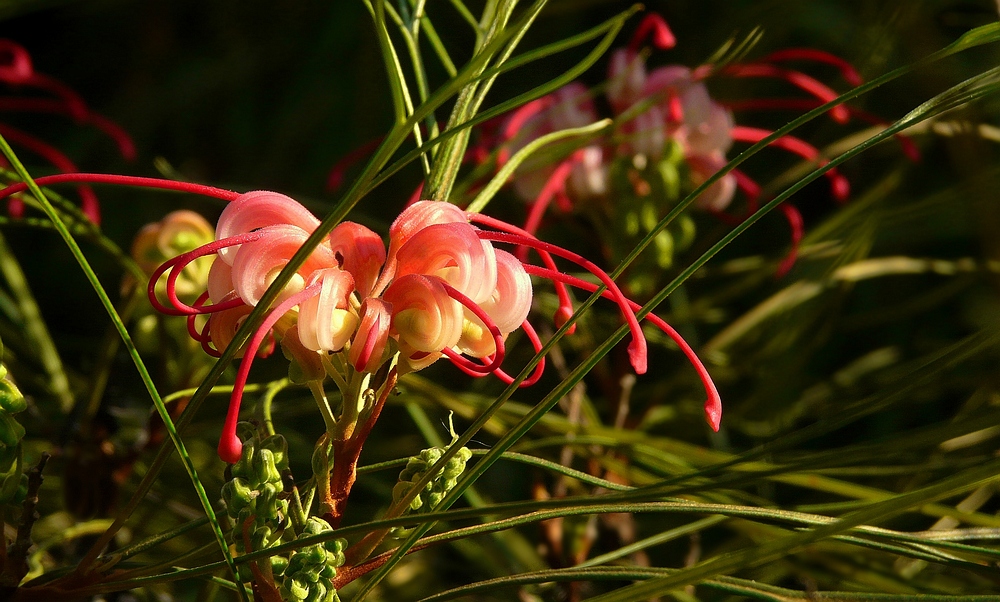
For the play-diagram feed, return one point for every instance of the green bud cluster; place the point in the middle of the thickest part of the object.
(309, 575)
(13, 483)
(253, 496)
(438, 487)
(636, 213)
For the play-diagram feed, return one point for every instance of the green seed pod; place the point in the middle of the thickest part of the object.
(295, 589)
(278, 446)
(253, 495)
(11, 400)
(335, 548)
(238, 496)
(436, 489)
(260, 537)
(263, 468)
(11, 431)
(278, 565)
(311, 569)
(242, 467)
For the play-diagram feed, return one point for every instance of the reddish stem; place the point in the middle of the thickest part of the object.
(555, 183)
(47, 105)
(637, 347)
(415, 197)
(179, 308)
(838, 183)
(15, 63)
(263, 583)
(847, 70)
(675, 108)
(348, 574)
(191, 327)
(750, 189)
(565, 309)
(463, 362)
(517, 120)
(336, 177)
(74, 102)
(795, 223)
(137, 181)
(539, 367)
(206, 340)
(88, 200)
(713, 405)
(807, 104)
(230, 446)
(798, 79)
(346, 454)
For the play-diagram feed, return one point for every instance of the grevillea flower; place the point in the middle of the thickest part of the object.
(18, 74)
(441, 290)
(673, 126)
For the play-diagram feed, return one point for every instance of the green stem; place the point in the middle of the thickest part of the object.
(319, 394)
(268, 400)
(451, 153)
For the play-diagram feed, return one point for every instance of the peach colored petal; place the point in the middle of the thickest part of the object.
(411, 360)
(259, 209)
(424, 317)
(718, 196)
(325, 321)
(363, 254)
(220, 280)
(222, 325)
(454, 253)
(626, 78)
(511, 301)
(257, 263)
(369, 345)
(182, 231)
(572, 107)
(310, 365)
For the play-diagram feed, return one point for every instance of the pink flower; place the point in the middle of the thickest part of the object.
(441, 290)
(680, 113)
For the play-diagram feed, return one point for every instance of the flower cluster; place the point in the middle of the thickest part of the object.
(18, 73)
(669, 129)
(441, 289)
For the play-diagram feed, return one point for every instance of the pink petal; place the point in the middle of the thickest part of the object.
(454, 253)
(363, 254)
(423, 315)
(259, 209)
(257, 263)
(325, 322)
